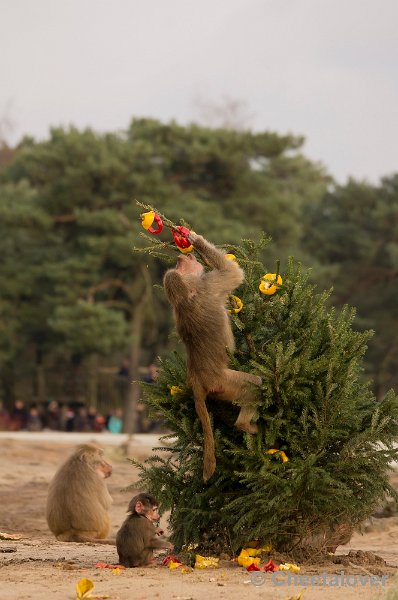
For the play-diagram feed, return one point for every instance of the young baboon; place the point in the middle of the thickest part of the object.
(198, 299)
(138, 536)
(78, 499)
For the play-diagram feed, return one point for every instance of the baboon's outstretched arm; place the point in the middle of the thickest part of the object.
(226, 274)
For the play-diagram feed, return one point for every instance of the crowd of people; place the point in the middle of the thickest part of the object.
(77, 416)
(59, 417)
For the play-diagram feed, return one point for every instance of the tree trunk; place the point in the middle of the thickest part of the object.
(130, 421)
(92, 380)
(41, 388)
(7, 383)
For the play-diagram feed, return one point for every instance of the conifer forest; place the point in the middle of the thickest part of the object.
(77, 298)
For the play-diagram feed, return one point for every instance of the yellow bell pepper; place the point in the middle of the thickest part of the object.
(289, 567)
(173, 564)
(244, 560)
(185, 250)
(270, 284)
(205, 562)
(238, 304)
(252, 551)
(175, 389)
(280, 452)
(147, 219)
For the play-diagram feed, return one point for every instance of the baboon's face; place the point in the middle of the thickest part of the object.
(188, 265)
(104, 469)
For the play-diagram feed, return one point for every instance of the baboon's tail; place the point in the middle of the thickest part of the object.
(209, 453)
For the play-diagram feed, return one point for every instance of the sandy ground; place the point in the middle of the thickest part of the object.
(38, 567)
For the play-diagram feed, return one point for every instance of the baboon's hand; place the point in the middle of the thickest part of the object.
(196, 240)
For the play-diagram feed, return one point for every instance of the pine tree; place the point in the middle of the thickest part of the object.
(320, 461)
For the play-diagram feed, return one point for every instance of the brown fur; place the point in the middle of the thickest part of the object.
(198, 299)
(78, 499)
(138, 536)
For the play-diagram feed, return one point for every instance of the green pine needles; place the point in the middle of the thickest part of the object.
(316, 408)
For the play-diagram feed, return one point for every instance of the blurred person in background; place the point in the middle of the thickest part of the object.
(82, 421)
(34, 422)
(115, 421)
(52, 416)
(4, 417)
(18, 416)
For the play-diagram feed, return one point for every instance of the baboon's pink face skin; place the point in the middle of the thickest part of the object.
(188, 265)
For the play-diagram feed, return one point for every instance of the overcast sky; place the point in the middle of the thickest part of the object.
(324, 69)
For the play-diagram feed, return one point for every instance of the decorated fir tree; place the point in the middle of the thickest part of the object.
(320, 462)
